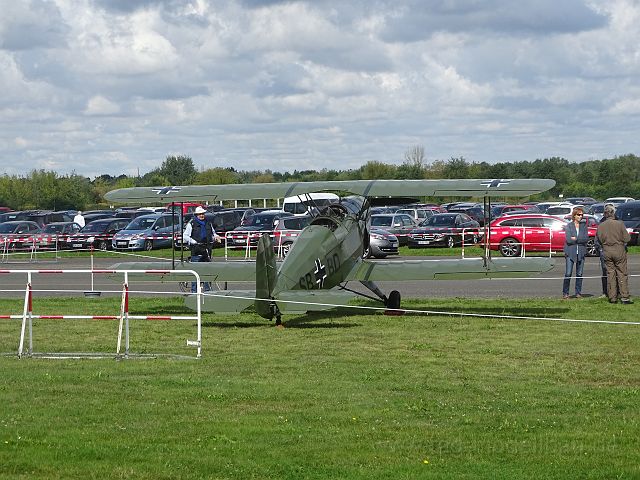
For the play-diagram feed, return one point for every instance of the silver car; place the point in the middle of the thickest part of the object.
(146, 232)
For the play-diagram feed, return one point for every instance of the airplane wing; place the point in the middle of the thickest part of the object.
(367, 188)
(449, 269)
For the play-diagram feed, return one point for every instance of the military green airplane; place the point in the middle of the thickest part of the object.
(328, 253)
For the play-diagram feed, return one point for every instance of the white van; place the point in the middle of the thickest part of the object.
(303, 204)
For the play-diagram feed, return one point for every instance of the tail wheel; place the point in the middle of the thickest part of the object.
(148, 245)
(509, 247)
(393, 301)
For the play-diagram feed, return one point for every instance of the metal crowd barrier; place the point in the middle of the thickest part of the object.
(27, 316)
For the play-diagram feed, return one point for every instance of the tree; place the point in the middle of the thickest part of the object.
(374, 170)
(217, 176)
(178, 170)
(413, 165)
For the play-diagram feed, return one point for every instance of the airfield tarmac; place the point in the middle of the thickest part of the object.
(546, 285)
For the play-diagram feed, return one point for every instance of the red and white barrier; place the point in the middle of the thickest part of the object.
(27, 316)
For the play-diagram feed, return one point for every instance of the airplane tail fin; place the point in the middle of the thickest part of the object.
(266, 271)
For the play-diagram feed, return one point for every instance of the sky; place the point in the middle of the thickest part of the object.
(115, 86)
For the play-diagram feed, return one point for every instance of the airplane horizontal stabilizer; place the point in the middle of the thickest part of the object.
(450, 269)
(229, 301)
(237, 271)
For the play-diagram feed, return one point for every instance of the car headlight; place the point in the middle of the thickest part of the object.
(377, 236)
(438, 236)
(91, 239)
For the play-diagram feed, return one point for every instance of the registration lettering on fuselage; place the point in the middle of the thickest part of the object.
(322, 269)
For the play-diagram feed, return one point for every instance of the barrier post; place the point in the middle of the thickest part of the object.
(26, 316)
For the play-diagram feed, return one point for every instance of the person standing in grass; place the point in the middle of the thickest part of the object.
(613, 236)
(575, 250)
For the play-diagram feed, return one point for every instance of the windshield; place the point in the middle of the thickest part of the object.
(260, 220)
(53, 228)
(7, 227)
(628, 213)
(95, 227)
(141, 223)
(440, 220)
(381, 221)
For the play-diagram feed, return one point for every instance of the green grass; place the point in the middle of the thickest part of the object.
(333, 395)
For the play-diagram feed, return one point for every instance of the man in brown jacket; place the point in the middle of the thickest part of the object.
(613, 236)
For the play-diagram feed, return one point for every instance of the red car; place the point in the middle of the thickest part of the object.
(537, 232)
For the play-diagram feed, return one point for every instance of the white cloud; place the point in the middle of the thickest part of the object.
(99, 105)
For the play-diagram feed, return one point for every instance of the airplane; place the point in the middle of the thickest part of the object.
(328, 253)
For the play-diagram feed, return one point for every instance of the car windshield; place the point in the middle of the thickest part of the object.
(381, 221)
(141, 223)
(440, 220)
(628, 213)
(7, 227)
(260, 220)
(53, 228)
(95, 227)
(559, 210)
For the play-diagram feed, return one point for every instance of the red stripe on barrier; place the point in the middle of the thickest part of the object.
(157, 318)
(5, 316)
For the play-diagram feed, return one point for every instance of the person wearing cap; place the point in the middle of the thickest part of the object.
(200, 235)
(575, 251)
(79, 219)
(613, 236)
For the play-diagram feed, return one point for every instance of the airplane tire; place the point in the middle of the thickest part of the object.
(393, 301)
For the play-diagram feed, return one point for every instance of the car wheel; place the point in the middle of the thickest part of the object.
(451, 242)
(509, 247)
(102, 245)
(148, 245)
(367, 252)
(592, 251)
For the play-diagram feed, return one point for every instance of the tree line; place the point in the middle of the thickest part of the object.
(618, 176)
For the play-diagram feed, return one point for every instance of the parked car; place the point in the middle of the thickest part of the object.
(499, 210)
(543, 206)
(418, 214)
(261, 222)
(629, 213)
(476, 213)
(286, 232)
(41, 217)
(381, 244)
(619, 200)
(97, 234)
(146, 232)
(562, 209)
(400, 224)
(17, 235)
(581, 200)
(537, 232)
(445, 230)
(56, 235)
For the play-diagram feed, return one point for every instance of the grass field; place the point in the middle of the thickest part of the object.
(333, 395)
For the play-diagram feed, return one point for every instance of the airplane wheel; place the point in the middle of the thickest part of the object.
(393, 301)
(509, 247)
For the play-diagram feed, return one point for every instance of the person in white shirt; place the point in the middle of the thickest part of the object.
(79, 219)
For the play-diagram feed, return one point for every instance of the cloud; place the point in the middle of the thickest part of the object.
(112, 86)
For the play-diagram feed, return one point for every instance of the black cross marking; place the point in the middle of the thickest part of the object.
(495, 183)
(321, 273)
(165, 190)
